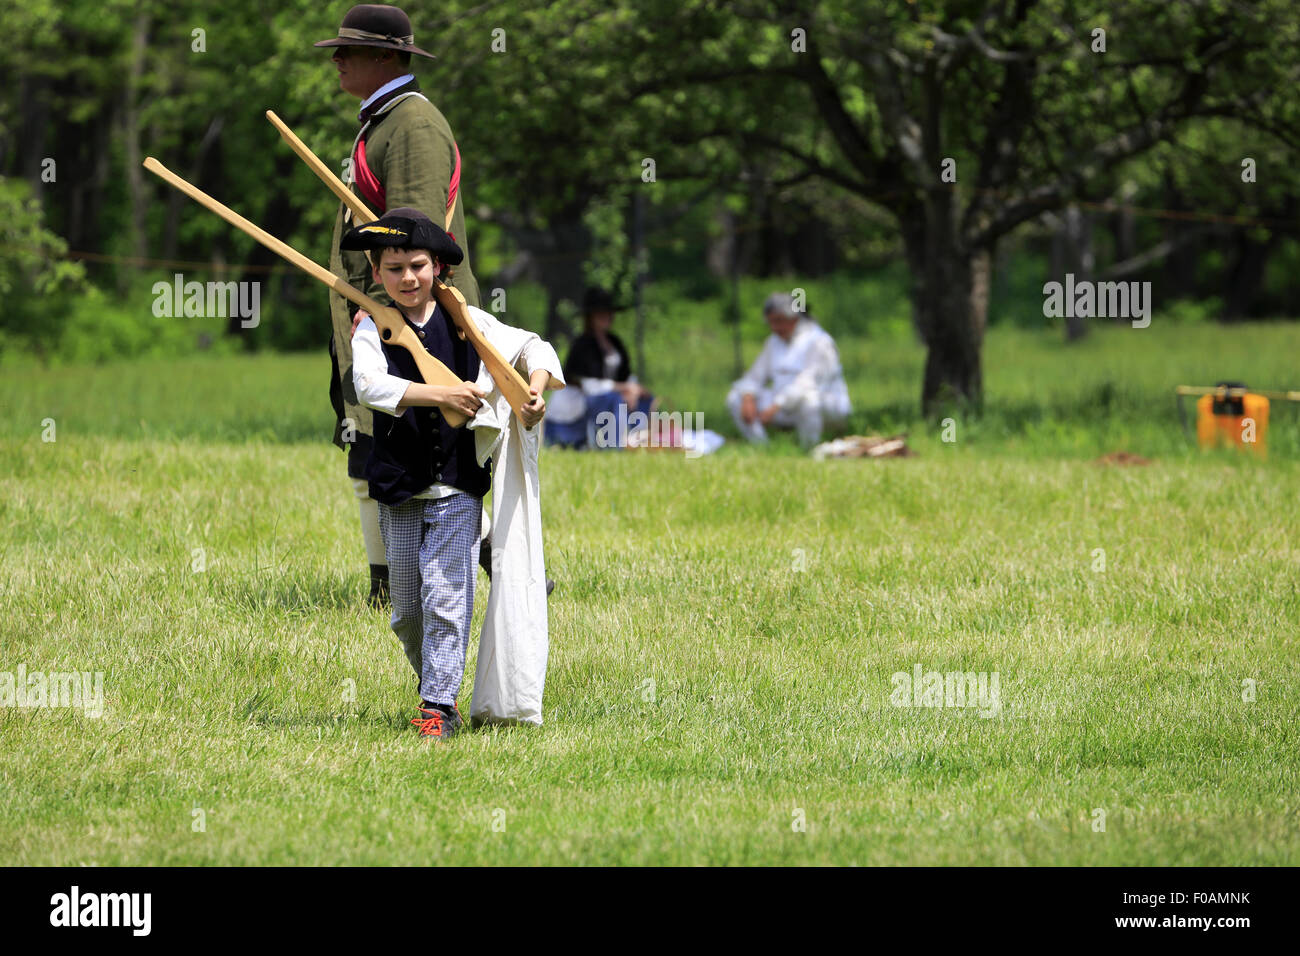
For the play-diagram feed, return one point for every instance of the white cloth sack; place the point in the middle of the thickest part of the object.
(511, 671)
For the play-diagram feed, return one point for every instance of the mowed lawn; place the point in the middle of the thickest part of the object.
(725, 639)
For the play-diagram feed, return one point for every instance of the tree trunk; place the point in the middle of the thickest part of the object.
(1072, 253)
(558, 254)
(563, 276)
(1124, 224)
(131, 130)
(33, 123)
(980, 289)
(1178, 279)
(1246, 274)
(280, 217)
(640, 263)
(943, 282)
(732, 308)
(176, 199)
(90, 147)
(720, 253)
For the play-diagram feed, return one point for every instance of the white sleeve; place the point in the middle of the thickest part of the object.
(540, 354)
(754, 380)
(819, 369)
(376, 388)
(534, 352)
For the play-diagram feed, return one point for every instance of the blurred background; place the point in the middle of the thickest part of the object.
(920, 169)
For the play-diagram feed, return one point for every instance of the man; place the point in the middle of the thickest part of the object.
(404, 156)
(796, 381)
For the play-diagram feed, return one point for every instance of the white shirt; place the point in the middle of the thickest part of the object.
(807, 368)
(387, 88)
(381, 391)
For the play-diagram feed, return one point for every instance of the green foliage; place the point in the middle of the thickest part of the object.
(555, 127)
(609, 264)
(1194, 310)
(39, 285)
(96, 326)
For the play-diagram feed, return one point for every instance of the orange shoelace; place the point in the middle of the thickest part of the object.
(431, 725)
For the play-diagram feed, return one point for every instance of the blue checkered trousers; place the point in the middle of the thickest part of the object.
(432, 546)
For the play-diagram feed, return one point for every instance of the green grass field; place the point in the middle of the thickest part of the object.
(724, 634)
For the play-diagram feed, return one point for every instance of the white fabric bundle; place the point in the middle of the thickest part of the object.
(511, 672)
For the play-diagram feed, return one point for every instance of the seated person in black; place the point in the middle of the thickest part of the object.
(599, 366)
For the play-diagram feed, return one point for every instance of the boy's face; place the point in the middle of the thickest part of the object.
(407, 276)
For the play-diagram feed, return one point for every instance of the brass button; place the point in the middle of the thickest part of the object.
(421, 333)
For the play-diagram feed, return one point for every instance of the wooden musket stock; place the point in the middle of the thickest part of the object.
(506, 376)
(392, 327)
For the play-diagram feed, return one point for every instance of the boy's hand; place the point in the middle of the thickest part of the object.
(465, 398)
(356, 321)
(532, 413)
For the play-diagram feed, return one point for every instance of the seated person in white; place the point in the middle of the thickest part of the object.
(796, 381)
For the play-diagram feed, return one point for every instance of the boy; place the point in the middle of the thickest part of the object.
(429, 477)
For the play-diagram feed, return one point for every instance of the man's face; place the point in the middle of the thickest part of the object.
(601, 321)
(407, 276)
(782, 325)
(363, 69)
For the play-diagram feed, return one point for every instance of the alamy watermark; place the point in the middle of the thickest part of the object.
(1086, 299)
(213, 300)
(56, 689)
(638, 429)
(923, 688)
(129, 910)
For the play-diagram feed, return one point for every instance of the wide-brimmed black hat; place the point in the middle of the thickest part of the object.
(379, 25)
(596, 299)
(404, 228)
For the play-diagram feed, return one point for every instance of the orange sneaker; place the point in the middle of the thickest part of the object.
(438, 723)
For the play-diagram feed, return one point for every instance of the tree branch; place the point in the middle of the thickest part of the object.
(1157, 252)
(1104, 156)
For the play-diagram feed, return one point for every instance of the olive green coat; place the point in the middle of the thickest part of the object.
(411, 151)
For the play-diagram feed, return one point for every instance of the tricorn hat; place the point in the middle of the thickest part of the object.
(378, 25)
(404, 228)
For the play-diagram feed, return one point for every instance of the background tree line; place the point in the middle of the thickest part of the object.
(953, 141)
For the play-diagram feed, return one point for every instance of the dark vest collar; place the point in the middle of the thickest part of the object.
(418, 448)
(375, 110)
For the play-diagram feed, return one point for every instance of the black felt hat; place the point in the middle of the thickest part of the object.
(596, 299)
(405, 228)
(378, 25)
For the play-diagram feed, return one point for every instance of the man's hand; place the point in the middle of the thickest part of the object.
(532, 413)
(465, 398)
(356, 321)
(748, 409)
(768, 414)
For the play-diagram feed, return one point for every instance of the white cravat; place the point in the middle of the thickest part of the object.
(387, 88)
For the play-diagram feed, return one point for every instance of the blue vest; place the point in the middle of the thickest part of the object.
(418, 448)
